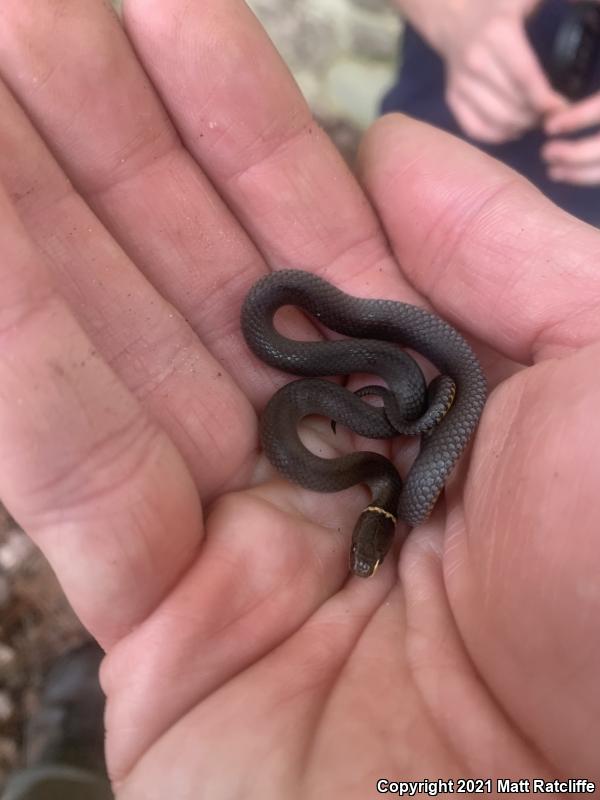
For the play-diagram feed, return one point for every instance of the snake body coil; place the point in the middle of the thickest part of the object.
(446, 413)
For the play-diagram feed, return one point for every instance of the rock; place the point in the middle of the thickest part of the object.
(375, 37)
(344, 135)
(15, 548)
(342, 52)
(8, 659)
(356, 89)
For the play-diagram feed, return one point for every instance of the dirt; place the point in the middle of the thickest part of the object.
(36, 625)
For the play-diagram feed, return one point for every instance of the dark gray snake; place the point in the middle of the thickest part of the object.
(445, 413)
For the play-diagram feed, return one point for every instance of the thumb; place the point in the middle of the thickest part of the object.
(485, 247)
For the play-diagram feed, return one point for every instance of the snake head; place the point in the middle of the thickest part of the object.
(372, 537)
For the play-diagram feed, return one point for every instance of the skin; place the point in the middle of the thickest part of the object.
(497, 89)
(241, 659)
(495, 86)
(578, 161)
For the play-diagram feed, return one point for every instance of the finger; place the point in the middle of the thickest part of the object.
(82, 468)
(588, 175)
(486, 248)
(483, 65)
(141, 336)
(518, 55)
(576, 117)
(71, 66)
(238, 654)
(250, 129)
(580, 153)
(474, 124)
(285, 179)
(488, 112)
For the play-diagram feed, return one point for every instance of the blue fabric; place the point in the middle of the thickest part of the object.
(419, 92)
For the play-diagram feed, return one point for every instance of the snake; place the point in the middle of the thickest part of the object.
(444, 413)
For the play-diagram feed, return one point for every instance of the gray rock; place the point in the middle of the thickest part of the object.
(374, 37)
(306, 36)
(356, 89)
(15, 550)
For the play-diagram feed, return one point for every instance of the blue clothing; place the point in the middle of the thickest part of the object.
(419, 92)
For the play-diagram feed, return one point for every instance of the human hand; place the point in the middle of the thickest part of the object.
(495, 85)
(574, 161)
(242, 660)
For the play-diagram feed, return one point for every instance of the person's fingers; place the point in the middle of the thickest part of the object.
(263, 574)
(497, 88)
(484, 114)
(517, 53)
(472, 123)
(484, 65)
(486, 248)
(582, 152)
(488, 66)
(576, 162)
(82, 467)
(274, 166)
(282, 688)
(70, 65)
(140, 335)
(579, 175)
(251, 131)
(580, 115)
(248, 126)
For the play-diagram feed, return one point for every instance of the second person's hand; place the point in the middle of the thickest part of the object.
(575, 161)
(495, 85)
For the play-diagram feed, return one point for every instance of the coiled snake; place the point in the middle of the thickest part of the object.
(445, 413)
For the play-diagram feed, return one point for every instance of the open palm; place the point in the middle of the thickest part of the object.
(146, 190)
